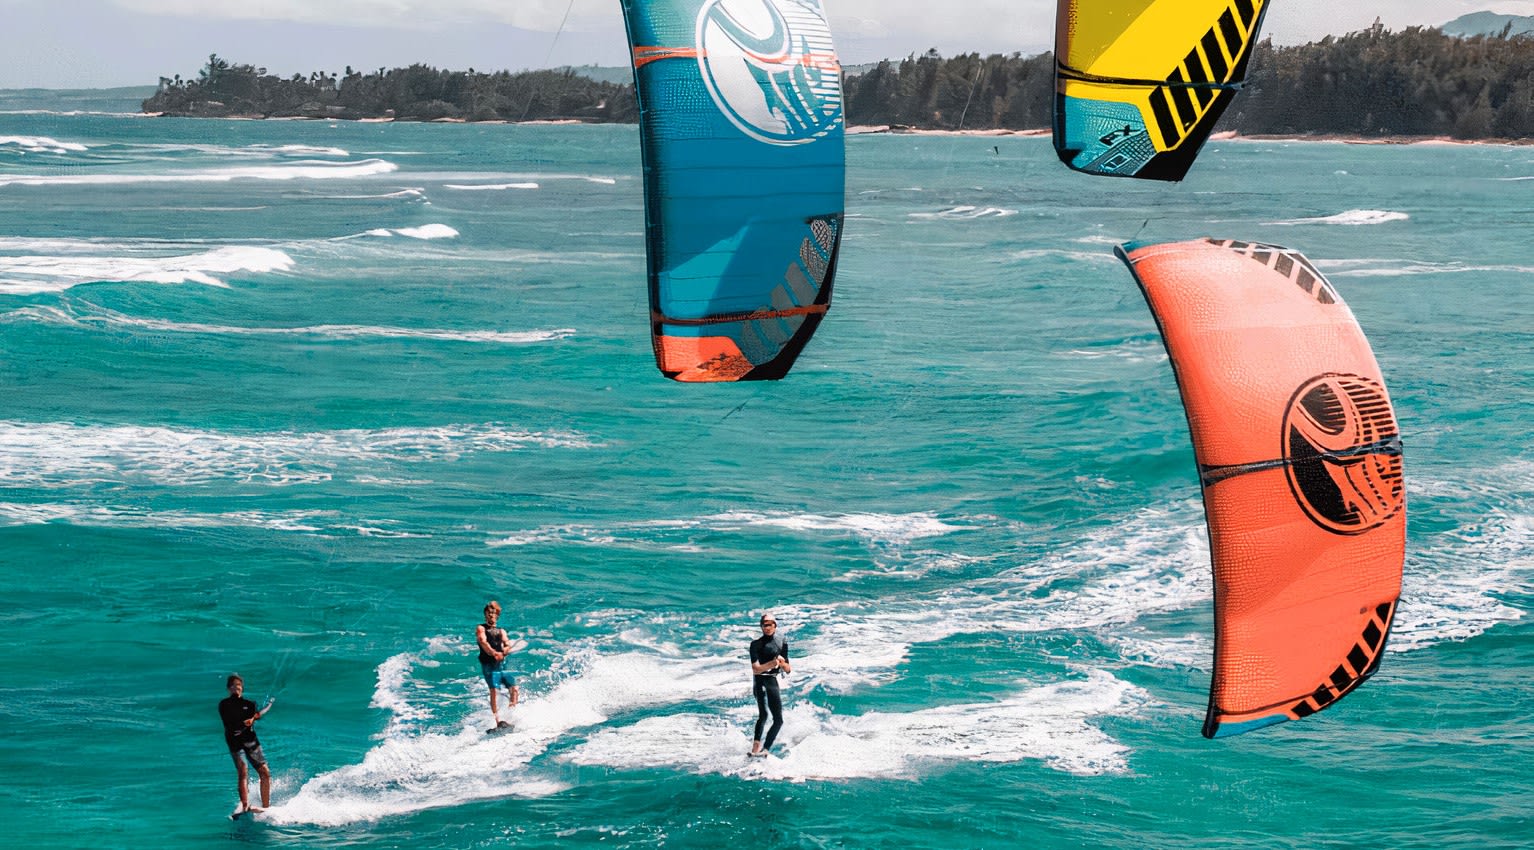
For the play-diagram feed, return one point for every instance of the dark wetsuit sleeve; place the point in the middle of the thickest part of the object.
(755, 653)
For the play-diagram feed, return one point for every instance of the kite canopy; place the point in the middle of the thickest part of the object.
(1301, 467)
(741, 128)
(1139, 84)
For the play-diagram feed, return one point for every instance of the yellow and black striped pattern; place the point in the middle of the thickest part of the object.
(1178, 61)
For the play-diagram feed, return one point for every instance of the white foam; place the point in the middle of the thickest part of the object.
(56, 273)
(427, 231)
(106, 516)
(1152, 562)
(409, 192)
(306, 150)
(297, 170)
(880, 529)
(434, 755)
(1452, 590)
(40, 144)
(1410, 268)
(489, 187)
(1098, 257)
(967, 212)
(412, 773)
(1129, 352)
(100, 317)
(57, 455)
(1047, 723)
(1350, 218)
(472, 180)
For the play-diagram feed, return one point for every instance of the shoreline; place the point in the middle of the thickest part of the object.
(1224, 136)
(886, 129)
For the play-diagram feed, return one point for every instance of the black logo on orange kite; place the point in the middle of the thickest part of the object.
(1343, 453)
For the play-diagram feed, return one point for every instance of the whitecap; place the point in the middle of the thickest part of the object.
(108, 516)
(40, 144)
(102, 318)
(56, 273)
(967, 212)
(488, 187)
(298, 170)
(425, 231)
(1350, 218)
(878, 529)
(56, 455)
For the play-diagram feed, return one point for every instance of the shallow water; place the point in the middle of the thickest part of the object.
(295, 398)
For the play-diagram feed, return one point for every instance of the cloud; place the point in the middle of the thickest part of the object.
(1027, 21)
(1000, 25)
(535, 15)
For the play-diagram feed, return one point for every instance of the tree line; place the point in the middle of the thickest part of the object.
(416, 93)
(1369, 83)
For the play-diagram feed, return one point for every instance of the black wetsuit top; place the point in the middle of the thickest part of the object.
(496, 637)
(234, 711)
(766, 648)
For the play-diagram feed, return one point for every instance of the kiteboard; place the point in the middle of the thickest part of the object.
(240, 811)
(500, 728)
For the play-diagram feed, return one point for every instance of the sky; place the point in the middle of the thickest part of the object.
(108, 43)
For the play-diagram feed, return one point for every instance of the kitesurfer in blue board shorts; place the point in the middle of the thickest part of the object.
(239, 716)
(494, 646)
(769, 658)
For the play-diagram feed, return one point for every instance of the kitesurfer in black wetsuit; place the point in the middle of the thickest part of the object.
(494, 646)
(769, 657)
(239, 716)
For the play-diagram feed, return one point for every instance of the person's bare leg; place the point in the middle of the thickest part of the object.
(244, 778)
(495, 709)
(266, 786)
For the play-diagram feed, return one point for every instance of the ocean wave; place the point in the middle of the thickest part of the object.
(1455, 586)
(1098, 257)
(1129, 352)
(107, 516)
(304, 150)
(67, 456)
(40, 144)
(1348, 218)
(96, 317)
(433, 754)
(425, 231)
(298, 170)
(876, 529)
(494, 180)
(489, 187)
(967, 212)
(56, 273)
(1412, 268)
(1049, 723)
(411, 192)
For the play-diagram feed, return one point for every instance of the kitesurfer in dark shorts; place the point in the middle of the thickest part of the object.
(769, 657)
(239, 716)
(494, 646)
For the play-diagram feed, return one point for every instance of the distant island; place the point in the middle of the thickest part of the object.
(1373, 84)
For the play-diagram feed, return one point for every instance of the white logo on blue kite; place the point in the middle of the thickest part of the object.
(771, 69)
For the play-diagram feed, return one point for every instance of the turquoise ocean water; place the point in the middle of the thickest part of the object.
(294, 399)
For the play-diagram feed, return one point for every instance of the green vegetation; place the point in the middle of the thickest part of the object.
(1418, 82)
(417, 93)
